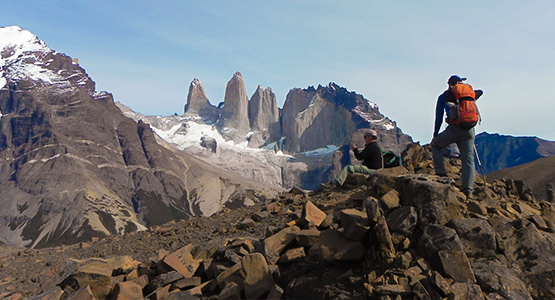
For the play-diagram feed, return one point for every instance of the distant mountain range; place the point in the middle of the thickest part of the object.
(497, 151)
(75, 164)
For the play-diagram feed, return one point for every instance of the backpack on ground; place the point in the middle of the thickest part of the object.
(390, 159)
(464, 112)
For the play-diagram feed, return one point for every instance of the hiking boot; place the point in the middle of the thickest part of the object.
(469, 195)
(441, 174)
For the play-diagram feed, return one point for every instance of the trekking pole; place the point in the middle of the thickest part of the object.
(480, 164)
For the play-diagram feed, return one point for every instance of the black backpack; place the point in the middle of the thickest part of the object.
(390, 159)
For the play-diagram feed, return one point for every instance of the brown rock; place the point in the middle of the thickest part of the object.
(159, 293)
(127, 291)
(477, 207)
(232, 291)
(183, 262)
(355, 224)
(276, 293)
(97, 274)
(307, 237)
(334, 247)
(274, 244)
(313, 214)
(393, 289)
(387, 249)
(292, 255)
(464, 291)
(187, 283)
(456, 265)
(85, 293)
(373, 211)
(258, 279)
(224, 277)
(390, 200)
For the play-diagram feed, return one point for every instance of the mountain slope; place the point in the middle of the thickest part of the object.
(74, 166)
(537, 175)
(503, 151)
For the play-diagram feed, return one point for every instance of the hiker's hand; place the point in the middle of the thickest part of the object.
(353, 146)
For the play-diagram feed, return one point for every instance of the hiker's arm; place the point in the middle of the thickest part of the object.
(360, 155)
(439, 114)
(478, 94)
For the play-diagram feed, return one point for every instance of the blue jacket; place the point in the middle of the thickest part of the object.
(442, 108)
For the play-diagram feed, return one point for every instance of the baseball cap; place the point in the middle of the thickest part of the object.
(454, 79)
(370, 132)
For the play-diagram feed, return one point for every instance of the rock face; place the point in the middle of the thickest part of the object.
(378, 239)
(314, 118)
(198, 103)
(264, 117)
(234, 120)
(74, 166)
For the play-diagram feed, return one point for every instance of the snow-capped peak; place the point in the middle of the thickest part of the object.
(14, 41)
(24, 56)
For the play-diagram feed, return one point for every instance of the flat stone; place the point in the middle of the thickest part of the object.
(313, 214)
(456, 265)
(274, 244)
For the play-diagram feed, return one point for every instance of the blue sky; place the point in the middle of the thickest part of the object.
(397, 54)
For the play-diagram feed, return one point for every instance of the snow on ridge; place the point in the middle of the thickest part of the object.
(321, 151)
(16, 40)
(15, 45)
(188, 134)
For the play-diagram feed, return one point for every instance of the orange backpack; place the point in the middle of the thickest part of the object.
(465, 113)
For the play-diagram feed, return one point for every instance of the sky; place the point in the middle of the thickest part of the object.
(397, 54)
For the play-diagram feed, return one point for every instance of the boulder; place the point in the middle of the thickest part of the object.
(492, 275)
(258, 280)
(476, 235)
(335, 247)
(274, 244)
(355, 224)
(434, 198)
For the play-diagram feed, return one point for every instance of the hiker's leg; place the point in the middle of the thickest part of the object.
(467, 159)
(451, 134)
(351, 169)
(439, 143)
(363, 170)
(343, 174)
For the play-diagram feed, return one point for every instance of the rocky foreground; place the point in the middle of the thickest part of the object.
(402, 234)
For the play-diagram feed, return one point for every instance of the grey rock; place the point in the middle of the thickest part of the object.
(477, 236)
(264, 117)
(434, 200)
(492, 275)
(198, 103)
(402, 220)
(234, 115)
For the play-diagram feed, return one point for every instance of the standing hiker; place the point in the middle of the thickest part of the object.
(371, 158)
(459, 104)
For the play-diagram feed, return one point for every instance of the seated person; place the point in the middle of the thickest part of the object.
(371, 158)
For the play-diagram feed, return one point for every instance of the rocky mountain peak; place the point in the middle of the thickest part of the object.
(198, 103)
(234, 115)
(264, 117)
(338, 113)
(24, 58)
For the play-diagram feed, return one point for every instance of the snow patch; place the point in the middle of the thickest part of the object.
(321, 151)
